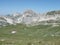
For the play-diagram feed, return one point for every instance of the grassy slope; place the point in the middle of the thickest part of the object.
(37, 35)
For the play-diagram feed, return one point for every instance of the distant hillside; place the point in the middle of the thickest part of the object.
(53, 12)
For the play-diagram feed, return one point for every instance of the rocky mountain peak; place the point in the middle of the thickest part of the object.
(30, 12)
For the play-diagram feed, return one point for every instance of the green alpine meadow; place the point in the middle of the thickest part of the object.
(33, 35)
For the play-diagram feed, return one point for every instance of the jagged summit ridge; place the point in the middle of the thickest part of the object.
(29, 17)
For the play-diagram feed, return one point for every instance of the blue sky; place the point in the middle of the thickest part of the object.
(11, 6)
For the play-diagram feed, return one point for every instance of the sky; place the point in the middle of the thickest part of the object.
(40, 6)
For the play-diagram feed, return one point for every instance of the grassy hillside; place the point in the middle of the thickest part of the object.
(34, 35)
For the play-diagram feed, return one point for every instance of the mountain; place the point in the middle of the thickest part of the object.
(29, 17)
(53, 12)
(3, 21)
